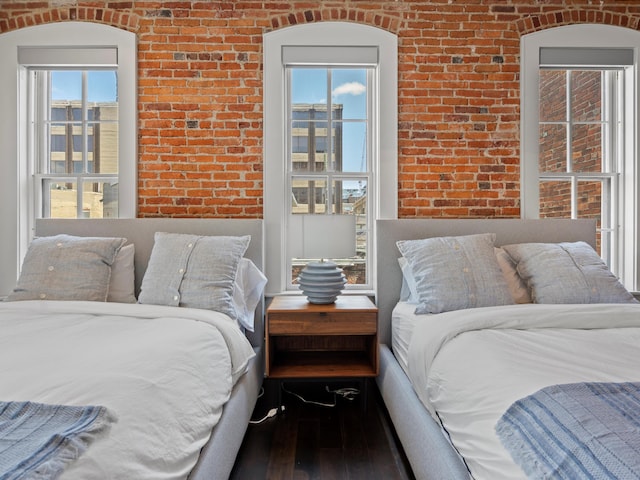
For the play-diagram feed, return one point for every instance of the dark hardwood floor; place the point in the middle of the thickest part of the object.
(349, 441)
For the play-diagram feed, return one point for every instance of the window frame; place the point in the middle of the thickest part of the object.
(331, 176)
(586, 37)
(17, 207)
(384, 156)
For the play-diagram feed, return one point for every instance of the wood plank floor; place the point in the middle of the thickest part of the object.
(313, 442)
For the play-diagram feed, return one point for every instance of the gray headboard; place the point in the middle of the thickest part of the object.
(140, 231)
(389, 276)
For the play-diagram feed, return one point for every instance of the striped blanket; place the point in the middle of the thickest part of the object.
(37, 440)
(576, 431)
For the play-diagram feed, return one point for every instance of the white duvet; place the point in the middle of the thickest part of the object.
(469, 366)
(165, 372)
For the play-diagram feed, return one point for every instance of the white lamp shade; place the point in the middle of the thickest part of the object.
(322, 236)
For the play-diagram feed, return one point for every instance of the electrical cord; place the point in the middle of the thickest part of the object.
(270, 414)
(346, 393)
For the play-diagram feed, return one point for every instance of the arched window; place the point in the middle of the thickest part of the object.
(330, 123)
(579, 147)
(68, 128)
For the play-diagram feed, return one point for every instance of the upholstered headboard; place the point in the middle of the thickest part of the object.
(389, 275)
(140, 232)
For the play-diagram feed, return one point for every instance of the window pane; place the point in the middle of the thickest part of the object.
(308, 196)
(586, 148)
(351, 144)
(63, 199)
(553, 96)
(352, 199)
(555, 199)
(309, 148)
(102, 86)
(66, 85)
(309, 86)
(99, 199)
(590, 200)
(553, 148)
(103, 139)
(109, 190)
(586, 96)
(590, 205)
(349, 89)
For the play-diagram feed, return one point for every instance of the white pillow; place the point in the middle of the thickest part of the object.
(122, 287)
(193, 271)
(66, 267)
(567, 272)
(454, 273)
(248, 289)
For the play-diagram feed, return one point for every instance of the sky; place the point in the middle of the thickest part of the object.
(67, 85)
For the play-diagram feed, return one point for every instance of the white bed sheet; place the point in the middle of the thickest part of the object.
(403, 320)
(469, 366)
(165, 372)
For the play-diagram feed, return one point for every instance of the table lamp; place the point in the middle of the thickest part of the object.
(325, 236)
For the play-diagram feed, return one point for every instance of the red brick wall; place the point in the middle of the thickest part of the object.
(200, 93)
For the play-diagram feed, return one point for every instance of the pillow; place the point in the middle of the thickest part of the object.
(517, 286)
(409, 290)
(454, 273)
(247, 292)
(64, 267)
(567, 273)
(193, 271)
(122, 287)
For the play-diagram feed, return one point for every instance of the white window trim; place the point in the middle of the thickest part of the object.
(16, 207)
(385, 163)
(583, 36)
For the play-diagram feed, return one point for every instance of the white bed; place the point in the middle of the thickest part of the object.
(182, 382)
(462, 369)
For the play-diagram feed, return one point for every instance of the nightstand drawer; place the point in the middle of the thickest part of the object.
(318, 323)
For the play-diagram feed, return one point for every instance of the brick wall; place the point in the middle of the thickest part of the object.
(200, 93)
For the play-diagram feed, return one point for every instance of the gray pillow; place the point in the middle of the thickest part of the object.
(566, 273)
(64, 267)
(454, 273)
(193, 271)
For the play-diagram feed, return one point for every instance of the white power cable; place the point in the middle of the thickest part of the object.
(270, 414)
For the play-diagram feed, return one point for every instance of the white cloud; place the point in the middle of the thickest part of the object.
(351, 88)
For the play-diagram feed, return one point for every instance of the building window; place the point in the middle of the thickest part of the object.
(579, 126)
(68, 121)
(330, 142)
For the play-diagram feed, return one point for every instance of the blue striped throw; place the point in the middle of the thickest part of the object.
(576, 431)
(37, 440)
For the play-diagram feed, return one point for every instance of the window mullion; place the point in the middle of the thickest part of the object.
(329, 136)
(569, 127)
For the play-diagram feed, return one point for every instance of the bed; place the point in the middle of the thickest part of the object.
(452, 380)
(177, 380)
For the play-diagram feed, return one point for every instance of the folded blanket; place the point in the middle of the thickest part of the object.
(37, 440)
(581, 430)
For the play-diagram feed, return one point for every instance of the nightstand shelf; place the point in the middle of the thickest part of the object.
(305, 340)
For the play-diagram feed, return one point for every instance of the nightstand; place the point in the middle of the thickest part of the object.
(306, 340)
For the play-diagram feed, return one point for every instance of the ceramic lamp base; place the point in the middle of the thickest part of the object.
(321, 282)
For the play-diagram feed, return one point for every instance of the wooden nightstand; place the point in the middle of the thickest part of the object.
(305, 340)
